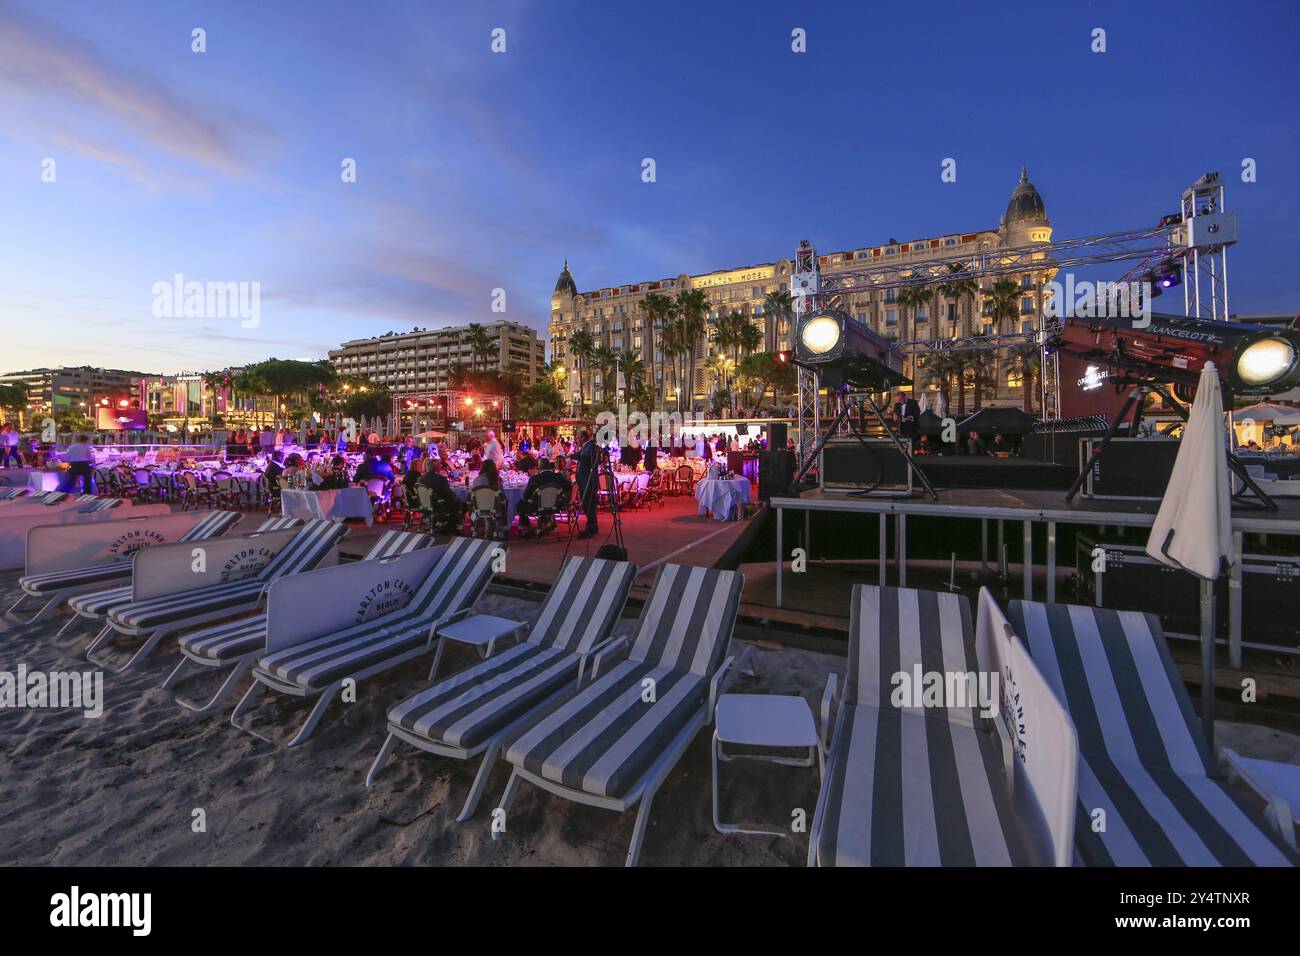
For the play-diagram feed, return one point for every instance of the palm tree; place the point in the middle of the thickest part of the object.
(913, 297)
(957, 286)
(605, 361)
(940, 371)
(1004, 299)
(633, 369)
(582, 346)
(657, 308)
(776, 306)
(692, 308)
(1026, 360)
(981, 370)
(750, 338)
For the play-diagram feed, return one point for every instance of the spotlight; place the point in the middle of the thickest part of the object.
(845, 351)
(1169, 275)
(1250, 360)
(783, 358)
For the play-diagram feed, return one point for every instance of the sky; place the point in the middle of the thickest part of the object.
(479, 170)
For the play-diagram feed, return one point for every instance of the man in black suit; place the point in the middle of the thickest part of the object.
(907, 416)
(588, 457)
(437, 483)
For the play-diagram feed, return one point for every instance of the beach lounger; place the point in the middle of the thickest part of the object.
(1148, 788)
(912, 786)
(9, 494)
(237, 644)
(318, 667)
(614, 742)
(472, 711)
(96, 605)
(155, 618)
(57, 586)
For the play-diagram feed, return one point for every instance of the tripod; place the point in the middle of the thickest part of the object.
(858, 400)
(603, 468)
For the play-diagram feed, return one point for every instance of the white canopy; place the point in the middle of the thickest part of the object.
(1268, 412)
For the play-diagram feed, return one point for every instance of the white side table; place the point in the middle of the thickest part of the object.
(762, 721)
(481, 631)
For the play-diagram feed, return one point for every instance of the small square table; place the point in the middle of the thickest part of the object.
(762, 721)
(481, 631)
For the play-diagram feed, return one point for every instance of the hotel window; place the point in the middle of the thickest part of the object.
(891, 250)
(950, 242)
(1027, 326)
(922, 316)
(986, 328)
(891, 317)
(1027, 305)
(891, 295)
(1026, 281)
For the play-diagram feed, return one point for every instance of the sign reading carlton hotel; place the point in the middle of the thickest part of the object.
(758, 274)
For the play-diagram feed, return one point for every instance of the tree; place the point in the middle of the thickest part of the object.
(658, 309)
(283, 378)
(373, 402)
(13, 397)
(777, 307)
(673, 341)
(1004, 301)
(634, 371)
(542, 400)
(940, 372)
(1026, 360)
(763, 371)
(582, 347)
(957, 286)
(692, 309)
(913, 297)
(981, 371)
(749, 339)
(481, 347)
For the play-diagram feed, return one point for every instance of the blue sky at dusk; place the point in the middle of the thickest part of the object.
(478, 170)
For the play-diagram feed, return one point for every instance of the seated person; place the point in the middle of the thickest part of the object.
(435, 480)
(296, 474)
(525, 462)
(373, 467)
(489, 477)
(274, 469)
(338, 474)
(974, 446)
(547, 477)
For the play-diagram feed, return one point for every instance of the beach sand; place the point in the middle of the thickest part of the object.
(123, 789)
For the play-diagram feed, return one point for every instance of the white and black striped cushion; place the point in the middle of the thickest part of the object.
(9, 494)
(1142, 757)
(476, 704)
(100, 603)
(452, 585)
(913, 786)
(602, 740)
(394, 543)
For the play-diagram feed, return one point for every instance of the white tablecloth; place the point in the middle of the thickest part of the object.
(46, 480)
(333, 503)
(721, 496)
(627, 480)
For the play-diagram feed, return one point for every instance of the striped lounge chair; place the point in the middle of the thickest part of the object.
(1149, 793)
(56, 586)
(318, 667)
(614, 742)
(96, 605)
(155, 618)
(50, 498)
(912, 786)
(90, 504)
(471, 712)
(237, 644)
(9, 494)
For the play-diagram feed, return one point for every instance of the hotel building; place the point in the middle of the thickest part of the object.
(51, 391)
(424, 360)
(613, 316)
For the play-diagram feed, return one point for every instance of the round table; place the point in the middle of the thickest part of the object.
(722, 496)
(333, 503)
(514, 494)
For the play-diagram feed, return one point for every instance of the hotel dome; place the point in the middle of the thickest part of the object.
(1026, 204)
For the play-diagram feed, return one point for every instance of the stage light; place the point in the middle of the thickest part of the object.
(122, 403)
(104, 402)
(1173, 349)
(845, 351)
(783, 358)
(1169, 275)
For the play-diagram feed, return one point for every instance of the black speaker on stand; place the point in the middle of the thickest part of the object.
(776, 436)
(775, 472)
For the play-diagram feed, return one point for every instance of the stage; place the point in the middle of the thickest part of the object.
(1029, 507)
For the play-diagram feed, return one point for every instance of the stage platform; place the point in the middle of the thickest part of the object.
(965, 471)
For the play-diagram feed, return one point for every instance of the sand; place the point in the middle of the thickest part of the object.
(123, 789)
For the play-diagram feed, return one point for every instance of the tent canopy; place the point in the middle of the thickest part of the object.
(1268, 412)
(1000, 421)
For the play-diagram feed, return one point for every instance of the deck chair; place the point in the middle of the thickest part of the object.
(155, 618)
(57, 586)
(609, 745)
(318, 667)
(237, 644)
(9, 494)
(471, 712)
(912, 786)
(96, 605)
(1145, 770)
(89, 504)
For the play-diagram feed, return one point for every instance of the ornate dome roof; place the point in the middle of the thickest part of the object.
(1026, 204)
(565, 285)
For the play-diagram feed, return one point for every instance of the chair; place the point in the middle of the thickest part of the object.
(484, 512)
(145, 487)
(653, 493)
(381, 493)
(225, 492)
(475, 710)
(684, 480)
(56, 586)
(1143, 760)
(546, 503)
(153, 619)
(318, 667)
(191, 492)
(9, 494)
(611, 746)
(237, 644)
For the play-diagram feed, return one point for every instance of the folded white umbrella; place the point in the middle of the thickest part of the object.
(940, 406)
(924, 403)
(1193, 528)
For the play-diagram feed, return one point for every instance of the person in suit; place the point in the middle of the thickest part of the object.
(907, 415)
(588, 457)
(434, 478)
(547, 477)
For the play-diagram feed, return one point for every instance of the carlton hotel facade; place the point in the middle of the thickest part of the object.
(614, 319)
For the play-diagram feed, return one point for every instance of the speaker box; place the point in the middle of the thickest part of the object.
(776, 435)
(1133, 468)
(775, 473)
(850, 465)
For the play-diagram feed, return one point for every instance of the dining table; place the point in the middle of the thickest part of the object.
(722, 496)
(335, 504)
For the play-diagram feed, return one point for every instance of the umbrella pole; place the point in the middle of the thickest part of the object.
(1207, 660)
